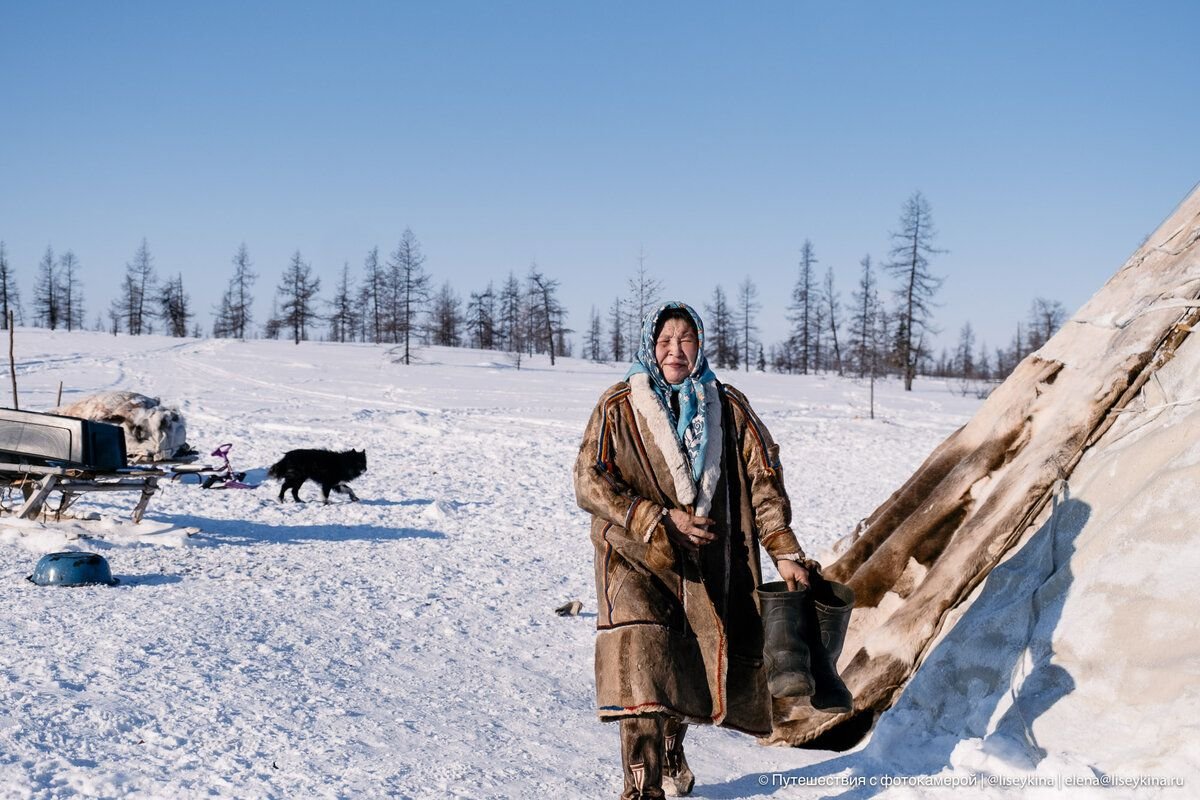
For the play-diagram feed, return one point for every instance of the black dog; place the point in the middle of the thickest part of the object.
(326, 467)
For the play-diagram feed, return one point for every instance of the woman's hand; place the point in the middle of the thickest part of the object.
(688, 531)
(793, 574)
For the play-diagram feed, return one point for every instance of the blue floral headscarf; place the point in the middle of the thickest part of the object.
(689, 426)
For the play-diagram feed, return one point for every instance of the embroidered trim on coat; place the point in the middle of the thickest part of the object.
(650, 530)
(629, 514)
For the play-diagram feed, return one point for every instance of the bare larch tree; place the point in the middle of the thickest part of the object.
(644, 292)
(241, 301)
(10, 297)
(70, 291)
(1045, 318)
(862, 323)
(832, 306)
(343, 314)
(800, 310)
(617, 323)
(721, 334)
(964, 353)
(912, 246)
(375, 289)
(546, 310)
(511, 321)
(47, 307)
(138, 283)
(174, 307)
(594, 344)
(410, 291)
(748, 308)
(481, 318)
(446, 318)
(297, 298)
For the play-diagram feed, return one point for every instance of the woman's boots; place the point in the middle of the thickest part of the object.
(652, 757)
(642, 757)
(678, 779)
(803, 634)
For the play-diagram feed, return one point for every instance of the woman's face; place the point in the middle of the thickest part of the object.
(676, 350)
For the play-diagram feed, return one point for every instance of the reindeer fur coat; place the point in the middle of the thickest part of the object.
(677, 633)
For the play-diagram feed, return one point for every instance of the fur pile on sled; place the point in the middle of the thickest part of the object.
(153, 431)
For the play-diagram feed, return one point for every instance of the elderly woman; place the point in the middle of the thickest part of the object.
(683, 483)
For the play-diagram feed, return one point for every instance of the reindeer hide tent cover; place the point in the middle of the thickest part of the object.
(919, 561)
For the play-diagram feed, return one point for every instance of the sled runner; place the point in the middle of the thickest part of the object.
(37, 481)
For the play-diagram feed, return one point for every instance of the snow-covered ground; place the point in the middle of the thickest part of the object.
(402, 646)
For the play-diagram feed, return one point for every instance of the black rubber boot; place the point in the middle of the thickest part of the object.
(786, 623)
(832, 604)
(678, 779)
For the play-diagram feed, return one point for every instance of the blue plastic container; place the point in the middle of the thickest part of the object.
(72, 569)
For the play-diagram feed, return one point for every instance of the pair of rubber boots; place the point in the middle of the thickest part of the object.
(803, 634)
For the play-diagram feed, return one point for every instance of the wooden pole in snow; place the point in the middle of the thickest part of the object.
(12, 364)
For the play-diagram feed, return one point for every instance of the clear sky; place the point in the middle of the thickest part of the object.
(1049, 139)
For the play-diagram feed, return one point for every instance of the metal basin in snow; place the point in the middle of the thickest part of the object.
(72, 569)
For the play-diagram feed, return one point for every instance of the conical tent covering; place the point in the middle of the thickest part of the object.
(1005, 479)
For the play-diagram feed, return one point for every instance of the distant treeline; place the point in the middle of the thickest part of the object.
(391, 301)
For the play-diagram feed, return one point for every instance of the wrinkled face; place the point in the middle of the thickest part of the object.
(676, 350)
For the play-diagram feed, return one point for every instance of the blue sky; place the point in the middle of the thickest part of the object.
(1049, 139)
